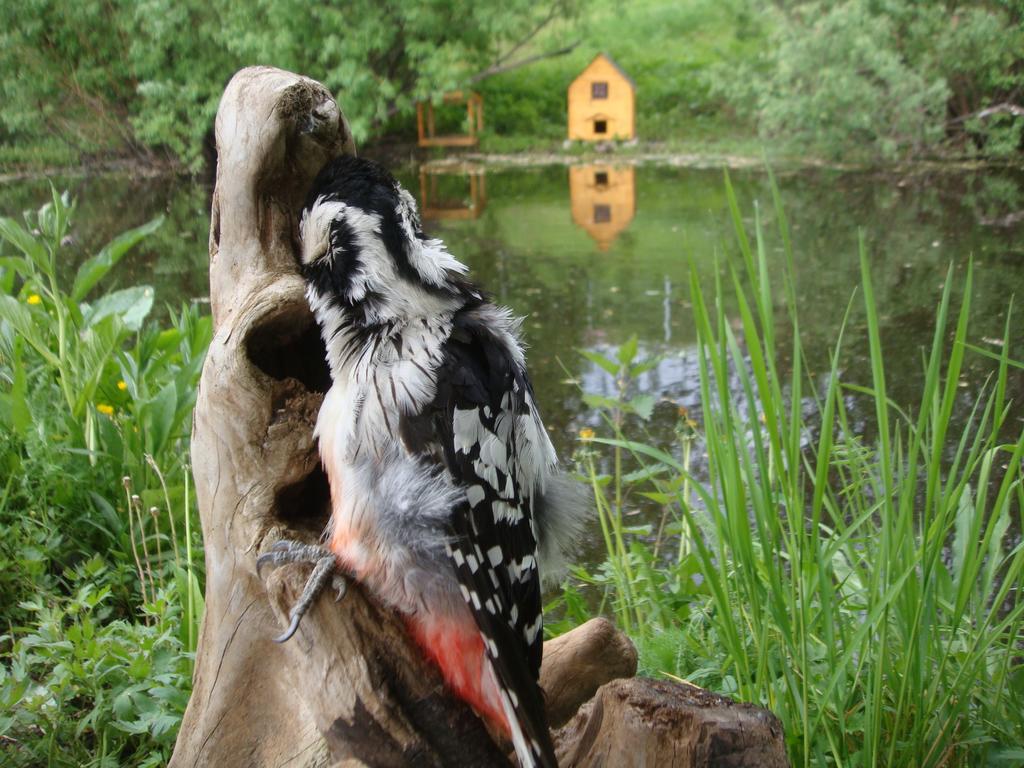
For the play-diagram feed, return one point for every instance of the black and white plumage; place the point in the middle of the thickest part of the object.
(446, 499)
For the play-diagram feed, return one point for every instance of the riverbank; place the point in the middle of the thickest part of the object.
(501, 154)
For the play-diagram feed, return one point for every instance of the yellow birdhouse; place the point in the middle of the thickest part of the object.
(602, 102)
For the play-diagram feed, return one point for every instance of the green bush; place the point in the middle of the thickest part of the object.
(861, 78)
(99, 558)
(83, 687)
(145, 78)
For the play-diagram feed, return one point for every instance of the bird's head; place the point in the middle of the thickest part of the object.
(364, 254)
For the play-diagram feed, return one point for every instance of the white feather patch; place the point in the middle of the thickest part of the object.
(315, 228)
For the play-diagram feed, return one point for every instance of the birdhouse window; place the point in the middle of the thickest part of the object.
(601, 179)
(599, 90)
(600, 126)
(602, 214)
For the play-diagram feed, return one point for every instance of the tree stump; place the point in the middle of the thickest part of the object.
(349, 689)
(642, 722)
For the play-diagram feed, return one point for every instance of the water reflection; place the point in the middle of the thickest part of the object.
(603, 200)
(441, 199)
(532, 246)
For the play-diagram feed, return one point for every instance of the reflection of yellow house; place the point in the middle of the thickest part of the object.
(434, 206)
(602, 102)
(603, 200)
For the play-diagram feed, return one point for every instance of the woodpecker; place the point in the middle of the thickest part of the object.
(446, 497)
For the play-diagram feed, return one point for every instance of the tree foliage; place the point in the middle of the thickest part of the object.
(146, 76)
(882, 78)
(892, 77)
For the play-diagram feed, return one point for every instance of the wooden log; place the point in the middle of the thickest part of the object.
(349, 689)
(579, 662)
(643, 722)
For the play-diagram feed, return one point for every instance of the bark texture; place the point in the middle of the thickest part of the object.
(349, 689)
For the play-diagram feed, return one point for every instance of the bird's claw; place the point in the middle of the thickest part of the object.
(288, 551)
(325, 569)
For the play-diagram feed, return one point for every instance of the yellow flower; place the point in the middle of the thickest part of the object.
(106, 410)
(586, 433)
(121, 385)
(34, 299)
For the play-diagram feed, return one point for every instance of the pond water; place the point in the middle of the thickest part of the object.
(593, 254)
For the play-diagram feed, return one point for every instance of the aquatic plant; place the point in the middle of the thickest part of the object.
(863, 581)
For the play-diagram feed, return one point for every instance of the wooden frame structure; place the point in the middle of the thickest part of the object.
(432, 206)
(474, 113)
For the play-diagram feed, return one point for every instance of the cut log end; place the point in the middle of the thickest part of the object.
(644, 722)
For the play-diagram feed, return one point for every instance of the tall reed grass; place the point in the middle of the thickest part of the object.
(863, 583)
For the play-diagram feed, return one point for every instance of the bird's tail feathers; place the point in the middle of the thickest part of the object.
(532, 752)
(561, 513)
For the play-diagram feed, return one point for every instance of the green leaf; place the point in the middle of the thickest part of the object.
(659, 498)
(11, 266)
(646, 365)
(645, 473)
(20, 318)
(600, 360)
(600, 401)
(962, 538)
(14, 409)
(132, 305)
(23, 240)
(645, 450)
(95, 269)
(161, 412)
(642, 406)
(96, 347)
(627, 352)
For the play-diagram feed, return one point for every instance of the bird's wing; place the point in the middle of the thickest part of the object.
(488, 428)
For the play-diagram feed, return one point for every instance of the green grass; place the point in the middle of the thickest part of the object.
(861, 582)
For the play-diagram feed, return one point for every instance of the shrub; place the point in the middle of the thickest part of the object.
(884, 79)
(83, 687)
(99, 573)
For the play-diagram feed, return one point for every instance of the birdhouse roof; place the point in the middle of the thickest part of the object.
(615, 64)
